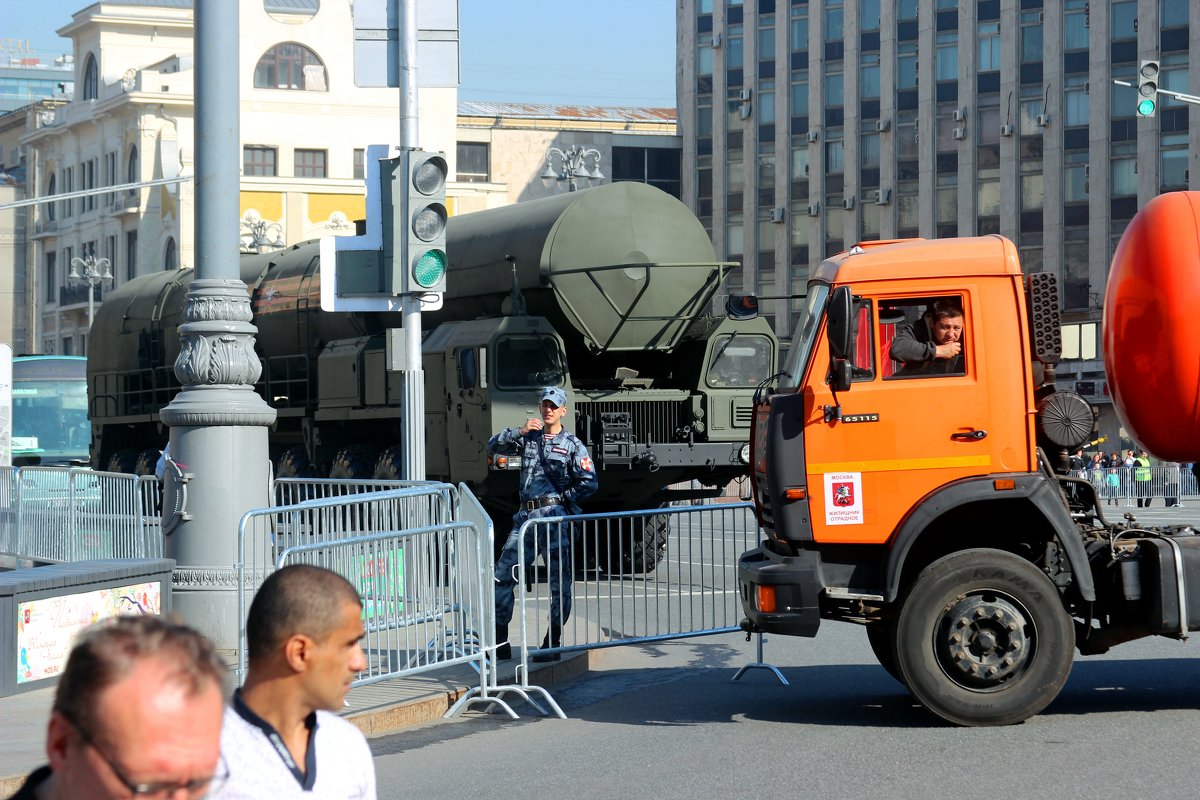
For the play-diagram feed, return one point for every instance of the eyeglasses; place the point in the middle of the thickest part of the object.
(195, 788)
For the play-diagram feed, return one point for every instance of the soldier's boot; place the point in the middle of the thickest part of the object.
(553, 638)
(504, 650)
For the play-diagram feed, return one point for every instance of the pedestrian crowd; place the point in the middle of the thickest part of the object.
(1126, 476)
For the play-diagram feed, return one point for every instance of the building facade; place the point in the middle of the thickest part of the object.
(809, 126)
(304, 127)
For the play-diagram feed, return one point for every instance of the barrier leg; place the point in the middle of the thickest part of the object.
(760, 664)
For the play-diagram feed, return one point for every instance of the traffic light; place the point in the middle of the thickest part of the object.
(425, 214)
(1147, 101)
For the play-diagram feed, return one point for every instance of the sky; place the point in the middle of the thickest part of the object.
(578, 52)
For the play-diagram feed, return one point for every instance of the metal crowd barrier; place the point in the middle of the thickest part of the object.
(61, 514)
(1169, 485)
(420, 557)
(691, 591)
(298, 490)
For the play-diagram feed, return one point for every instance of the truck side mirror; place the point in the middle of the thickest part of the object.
(839, 314)
(840, 373)
(741, 306)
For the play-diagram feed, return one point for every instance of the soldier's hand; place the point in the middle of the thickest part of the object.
(531, 425)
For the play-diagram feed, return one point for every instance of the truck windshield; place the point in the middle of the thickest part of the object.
(806, 334)
(50, 420)
(524, 362)
(740, 361)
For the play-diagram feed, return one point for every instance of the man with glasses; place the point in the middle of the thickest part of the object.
(137, 713)
(304, 638)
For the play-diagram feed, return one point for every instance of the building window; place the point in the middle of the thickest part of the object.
(51, 189)
(474, 162)
(51, 276)
(132, 170)
(87, 174)
(310, 163)
(290, 66)
(131, 253)
(170, 257)
(659, 167)
(360, 164)
(68, 187)
(91, 78)
(259, 161)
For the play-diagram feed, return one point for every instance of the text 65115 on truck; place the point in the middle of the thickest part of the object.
(932, 505)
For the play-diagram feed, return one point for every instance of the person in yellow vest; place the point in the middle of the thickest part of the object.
(1141, 479)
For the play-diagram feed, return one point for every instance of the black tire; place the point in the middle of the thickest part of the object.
(123, 461)
(983, 639)
(146, 461)
(390, 466)
(882, 638)
(353, 463)
(632, 545)
(294, 463)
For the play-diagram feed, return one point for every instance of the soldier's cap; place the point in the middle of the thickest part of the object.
(554, 395)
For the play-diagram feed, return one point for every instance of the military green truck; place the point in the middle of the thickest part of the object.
(604, 292)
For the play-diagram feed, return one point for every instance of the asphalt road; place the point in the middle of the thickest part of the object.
(665, 721)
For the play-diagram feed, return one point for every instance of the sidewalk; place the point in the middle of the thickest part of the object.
(377, 709)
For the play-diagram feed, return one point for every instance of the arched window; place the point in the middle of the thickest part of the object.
(170, 259)
(51, 188)
(290, 66)
(132, 170)
(91, 78)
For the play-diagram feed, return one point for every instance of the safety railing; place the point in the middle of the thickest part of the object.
(60, 514)
(289, 491)
(1162, 485)
(420, 556)
(627, 578)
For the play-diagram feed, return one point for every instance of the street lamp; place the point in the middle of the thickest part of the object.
(96, 272)
(259, 236)
(572, 165)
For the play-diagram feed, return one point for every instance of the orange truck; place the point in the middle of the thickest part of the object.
(913, 479)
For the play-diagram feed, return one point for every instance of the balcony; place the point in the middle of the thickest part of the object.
(77, 295)
(44, 228)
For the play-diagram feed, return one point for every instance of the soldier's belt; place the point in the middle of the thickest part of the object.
(542, 502)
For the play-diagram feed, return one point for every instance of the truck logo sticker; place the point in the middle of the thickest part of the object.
(843, 498)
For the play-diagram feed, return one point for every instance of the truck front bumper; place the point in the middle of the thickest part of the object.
(797, 583)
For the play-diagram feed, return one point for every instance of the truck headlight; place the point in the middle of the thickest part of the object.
(744, 453)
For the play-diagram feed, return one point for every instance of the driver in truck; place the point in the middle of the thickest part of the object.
(933, 344)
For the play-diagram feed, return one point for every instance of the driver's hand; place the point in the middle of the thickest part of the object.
(531, 425)
(949, 350)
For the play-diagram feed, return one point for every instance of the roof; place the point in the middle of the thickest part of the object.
(482, 108)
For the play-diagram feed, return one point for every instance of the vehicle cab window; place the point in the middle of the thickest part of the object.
(924, 337)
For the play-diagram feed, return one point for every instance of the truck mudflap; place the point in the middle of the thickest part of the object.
(796, 581)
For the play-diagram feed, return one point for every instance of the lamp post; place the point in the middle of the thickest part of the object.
(96, 272)
(571, 165)
(259, 236)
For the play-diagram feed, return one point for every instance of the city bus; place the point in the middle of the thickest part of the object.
(49, 411)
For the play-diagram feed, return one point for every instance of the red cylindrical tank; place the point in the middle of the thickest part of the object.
(1152, 327)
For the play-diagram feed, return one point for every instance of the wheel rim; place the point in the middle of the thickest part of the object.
(984, 640)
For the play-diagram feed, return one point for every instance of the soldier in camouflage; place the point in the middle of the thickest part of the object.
(556, 474)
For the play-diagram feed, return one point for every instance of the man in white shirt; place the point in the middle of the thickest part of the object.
(281, 738)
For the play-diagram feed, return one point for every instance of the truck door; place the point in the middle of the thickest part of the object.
(467, 421)
(910, 427)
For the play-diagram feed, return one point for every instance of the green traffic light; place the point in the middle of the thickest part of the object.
(430, 268)
(1145, 107)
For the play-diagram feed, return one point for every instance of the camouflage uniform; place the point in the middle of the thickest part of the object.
(572, 478)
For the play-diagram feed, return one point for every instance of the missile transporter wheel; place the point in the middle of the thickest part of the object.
(632, 545)
(146, 461)
(294, 463)
(983, 639)
(353, 463)
(390, 465)
(123, 461)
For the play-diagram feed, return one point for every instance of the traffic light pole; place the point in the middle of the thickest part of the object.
(413, 428)
(1180, 96)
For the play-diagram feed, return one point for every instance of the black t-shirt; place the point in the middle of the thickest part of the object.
(28, 790)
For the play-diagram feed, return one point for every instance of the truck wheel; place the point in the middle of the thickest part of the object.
(294, 463)
(634, 545)
(353, 463)
(882, 638)
(390, 465)
(983, 639)
(122, 461)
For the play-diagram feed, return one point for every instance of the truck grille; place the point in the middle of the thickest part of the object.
(650, 421)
